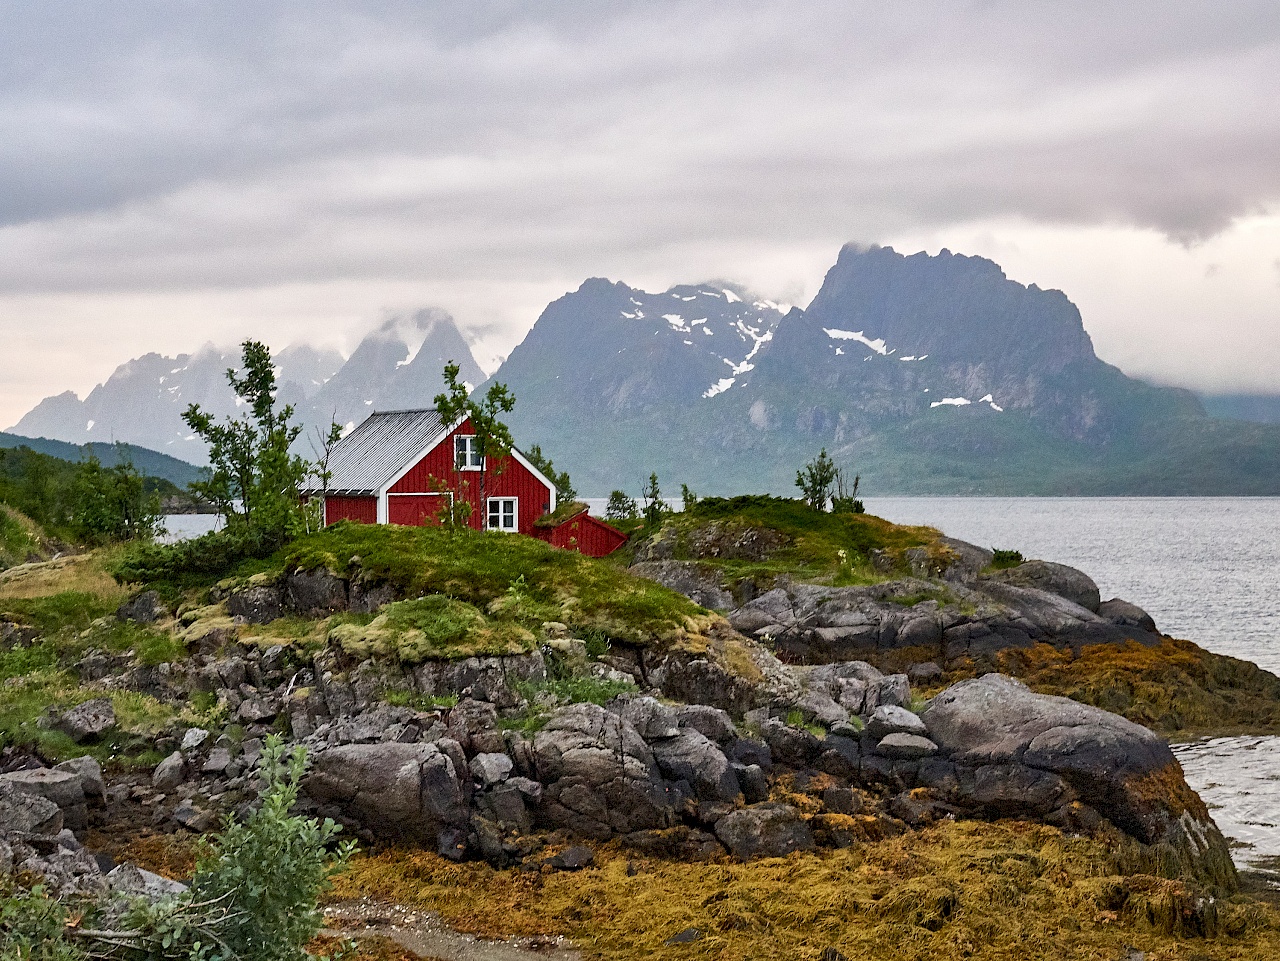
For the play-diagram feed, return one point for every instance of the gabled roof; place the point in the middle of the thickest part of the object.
(376, 451)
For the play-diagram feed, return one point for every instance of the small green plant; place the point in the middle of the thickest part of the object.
(420, 702)
(597, 642)
(845, 499)
(1005, 559)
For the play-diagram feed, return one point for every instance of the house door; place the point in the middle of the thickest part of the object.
(417, 510)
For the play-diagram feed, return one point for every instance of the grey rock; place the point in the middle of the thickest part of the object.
(701, 583)
(132, 880)
(490, 769)
(1124, 614)
(925, 673)
(193, 818)
(169, 773)
(396, 791)
(1076, 586)
(841, 800)
(63, 788)
(315, 593)
(900, 745)
(752, 780)
(28, 813)
(694, 758)
(573, 858)
(891, 719)
(599, 775)
(789, 745)
(218, 761)
(651, 719)
(474, 725)
(764, 831)
(1106, 759)
(820, 708)
(144, 608)
(87, 720)
(257, 605)
(711, 722)
(969, 561)
(194, 738)
(89, 771)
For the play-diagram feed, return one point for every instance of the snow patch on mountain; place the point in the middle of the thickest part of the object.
(878, 344)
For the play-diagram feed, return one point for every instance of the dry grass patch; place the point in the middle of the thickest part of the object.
(81, 573)
(1002, 892)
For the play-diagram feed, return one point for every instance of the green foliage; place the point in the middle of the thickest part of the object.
(198, 561)
(272, 868)
(654, 506)
(492, 436)
(113, 503)
(420, 702)
(621, 507)
(845, 499)
(255, 479)
(19, 538)
(54, 613)
(33, 927)
(687, 497)
(816, 480)
(1005, 559)
(83, 501)
(432, 627)
(21, 661)
(543, 696)
(565, 492)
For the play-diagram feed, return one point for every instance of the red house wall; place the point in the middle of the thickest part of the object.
(436, 470)
(363, 510)
(584, 534)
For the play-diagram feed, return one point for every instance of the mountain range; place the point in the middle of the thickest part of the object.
(923, 374)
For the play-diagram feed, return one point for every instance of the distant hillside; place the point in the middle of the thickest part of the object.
(925, 374)
(148, 462)
(1255, 408)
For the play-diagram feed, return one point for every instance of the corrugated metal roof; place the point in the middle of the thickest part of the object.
(377, 450)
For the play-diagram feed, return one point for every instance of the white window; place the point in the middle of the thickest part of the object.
(466, 453)
(502, 513)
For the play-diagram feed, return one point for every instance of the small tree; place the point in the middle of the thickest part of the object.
(621, 507)
(687, 497)
(492, 436)
(565, 491)
(654, 505)
(255, 479)
(845, 500)
(322, 445)
(816, 479)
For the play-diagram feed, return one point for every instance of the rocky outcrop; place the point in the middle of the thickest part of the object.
(948, 623)
(408, 792)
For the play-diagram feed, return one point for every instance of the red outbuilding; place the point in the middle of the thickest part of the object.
(579, 531)
(406, 467)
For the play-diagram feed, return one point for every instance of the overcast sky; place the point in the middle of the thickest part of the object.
(177, 172)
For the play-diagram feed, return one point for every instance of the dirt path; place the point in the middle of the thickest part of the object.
(425, 935)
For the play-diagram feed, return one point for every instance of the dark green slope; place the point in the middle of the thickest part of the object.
(149, 463)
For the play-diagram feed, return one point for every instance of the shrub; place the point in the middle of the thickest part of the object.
(1005, 559)
(33, 927)
(621, 507)
(195, 561)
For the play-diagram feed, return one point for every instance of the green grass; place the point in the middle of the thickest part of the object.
(66, 610)
(565, 690)
(432, 628)
(420, 702)
(508, 579)
(813, 545)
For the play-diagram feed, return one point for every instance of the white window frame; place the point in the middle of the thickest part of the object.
(464, 453)
(498, 502)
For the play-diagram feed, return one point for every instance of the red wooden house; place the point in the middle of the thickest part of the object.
(406, 467)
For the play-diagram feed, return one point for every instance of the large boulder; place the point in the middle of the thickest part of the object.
(257, 604)
(317, 593)
(28, 813)
(1123, 614)
(1121, 769)
(63, 788)
(600, 777)
(693, 758)
(1076, 586)
(144, 608)
(764, 831)
(409, 792)
(88, 720)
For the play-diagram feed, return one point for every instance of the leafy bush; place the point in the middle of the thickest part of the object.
(33, 928)
(272, 868)
(1005, 559)
(199, 560)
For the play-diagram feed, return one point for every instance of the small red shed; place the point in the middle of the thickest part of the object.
(406, 467)
(577, 530)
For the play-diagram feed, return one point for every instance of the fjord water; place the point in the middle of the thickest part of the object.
(1207, 569)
